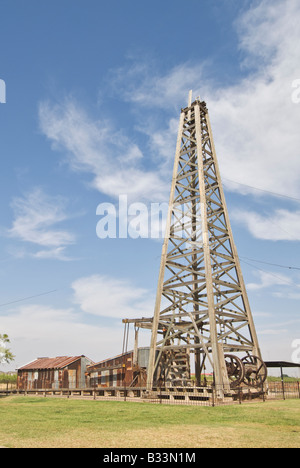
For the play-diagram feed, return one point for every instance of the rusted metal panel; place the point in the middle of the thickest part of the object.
(143, 357)
(72, 378)
(119, 371)
(55, 373)
(51, 363)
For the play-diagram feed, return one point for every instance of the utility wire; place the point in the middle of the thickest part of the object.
(272, 264)
(291, 283)
(262, 190)
(29, 297)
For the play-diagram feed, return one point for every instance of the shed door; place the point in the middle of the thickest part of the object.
(72, 378)
(55, 384)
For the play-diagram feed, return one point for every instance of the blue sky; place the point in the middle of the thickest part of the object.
(93, 96)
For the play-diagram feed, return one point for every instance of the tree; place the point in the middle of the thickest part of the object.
(6, 355)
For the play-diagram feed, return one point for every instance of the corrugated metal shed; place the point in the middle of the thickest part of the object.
(123, 370)
(59, 372)
(142, 359)
(50, 363)
(113, 372)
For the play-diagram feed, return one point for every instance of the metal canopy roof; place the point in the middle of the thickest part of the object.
(281, 364)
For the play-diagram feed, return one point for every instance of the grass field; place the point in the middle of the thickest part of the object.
(45, 422)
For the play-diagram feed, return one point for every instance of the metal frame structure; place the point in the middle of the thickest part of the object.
(202, 307)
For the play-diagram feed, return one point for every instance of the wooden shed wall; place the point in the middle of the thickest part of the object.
(71, 376)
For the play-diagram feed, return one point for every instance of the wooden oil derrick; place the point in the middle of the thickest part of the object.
(202, 306)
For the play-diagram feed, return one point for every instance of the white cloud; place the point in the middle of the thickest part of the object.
(273, 332)
(38, 330)
(43, 330)
(280, 225)
(281, 327)
(162, 143)
(268, 279)
(142, 84)
(35, 216)
(87, 140)
(98, 148)
(267, 30)
(58, 253)
(255, 123)
(110, 297)
(288, 295)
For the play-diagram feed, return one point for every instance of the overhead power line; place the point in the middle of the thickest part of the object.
(29, 297)
(263, 190)
(272, 264)
(283, 280)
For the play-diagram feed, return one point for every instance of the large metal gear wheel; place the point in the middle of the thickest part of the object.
(255, 371)
(235, 370)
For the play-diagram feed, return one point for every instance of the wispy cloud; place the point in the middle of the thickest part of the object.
(40, 330)
(269, 279)
(280, 225)
(281, 327)
(35, 216)
(255, 122)
(288, 295)
(141, 83)
(111, 297)
(100, 149)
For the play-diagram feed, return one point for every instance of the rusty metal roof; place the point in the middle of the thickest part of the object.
(110, 359)
(51, 363)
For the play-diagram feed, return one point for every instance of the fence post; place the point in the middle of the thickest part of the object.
(213, 396)
(283, 394)
(263, 393)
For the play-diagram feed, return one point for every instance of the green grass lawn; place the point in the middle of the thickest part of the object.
(56, 422)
